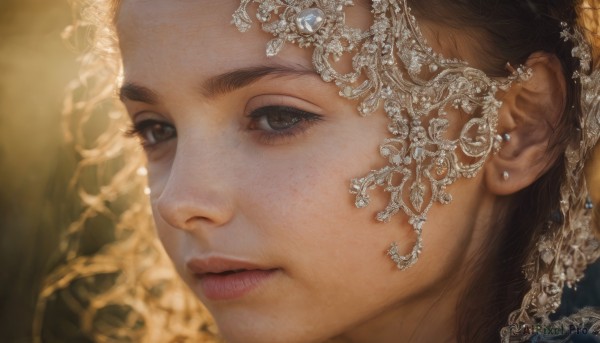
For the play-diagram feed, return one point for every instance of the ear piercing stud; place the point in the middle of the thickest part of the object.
(499, 139)
(505, 175)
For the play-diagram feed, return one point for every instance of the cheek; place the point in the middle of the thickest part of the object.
(304, 208)
(171, 239)
(305, 215)
(308, 188)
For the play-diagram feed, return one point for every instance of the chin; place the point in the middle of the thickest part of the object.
(273, 332)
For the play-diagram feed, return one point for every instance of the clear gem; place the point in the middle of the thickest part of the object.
(589, 205)
(310, 20)
(543, 299)
(498, 139)
(547, 256)
(360, 203)
(445, 198)
(418, 153)
(347, 91)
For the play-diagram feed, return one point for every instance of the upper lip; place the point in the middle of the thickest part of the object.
(215, 265)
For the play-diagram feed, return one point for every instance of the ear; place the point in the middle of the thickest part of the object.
(529, 113)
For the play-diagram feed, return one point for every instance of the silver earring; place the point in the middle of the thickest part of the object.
(505, 175)
(499, 139)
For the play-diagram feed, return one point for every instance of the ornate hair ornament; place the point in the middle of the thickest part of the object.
(393, 66)
(569, 245)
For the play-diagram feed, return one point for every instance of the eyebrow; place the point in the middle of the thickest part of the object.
(134, 92)
(219, 84)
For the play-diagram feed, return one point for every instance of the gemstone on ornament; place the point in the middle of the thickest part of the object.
(547, 256)
(347, 91)
(310, 20)
(543, 299)
(589, 205)
(418, 153)
(361, 203)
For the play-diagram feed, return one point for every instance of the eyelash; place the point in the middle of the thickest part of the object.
(141, 129)
(301, 122)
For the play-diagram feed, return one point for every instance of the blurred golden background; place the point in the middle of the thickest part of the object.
(35, 164)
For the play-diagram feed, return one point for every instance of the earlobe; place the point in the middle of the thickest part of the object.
(529, 114)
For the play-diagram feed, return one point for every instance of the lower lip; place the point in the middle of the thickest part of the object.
(235, 285)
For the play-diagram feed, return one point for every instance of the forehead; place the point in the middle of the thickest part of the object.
(196, 37)
(197, 33)
(184, 37)
(188, 19)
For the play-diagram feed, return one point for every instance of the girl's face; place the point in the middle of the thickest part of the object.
(250, 160)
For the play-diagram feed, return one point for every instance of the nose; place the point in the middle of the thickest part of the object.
(197, 193)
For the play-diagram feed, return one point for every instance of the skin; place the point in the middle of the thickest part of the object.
(225, 186)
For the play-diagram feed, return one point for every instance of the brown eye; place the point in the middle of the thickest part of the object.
(281, 124)
(279, 118)
(152, 132)
(276, 118)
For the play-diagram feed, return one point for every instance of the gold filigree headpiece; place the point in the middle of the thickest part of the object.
(393, 66)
